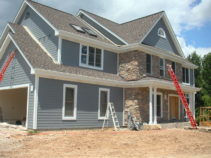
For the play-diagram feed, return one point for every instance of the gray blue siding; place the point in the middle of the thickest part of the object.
(154, 40)
(70, 56)
(102, 30)
(41, 30)
(50, 105)
(18, 73)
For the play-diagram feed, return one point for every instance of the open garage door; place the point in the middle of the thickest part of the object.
(13, 106)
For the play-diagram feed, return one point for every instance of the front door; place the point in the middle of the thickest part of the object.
(174, 107)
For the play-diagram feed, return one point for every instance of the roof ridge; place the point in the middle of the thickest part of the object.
(50, 7)
(142, 17)
(100, 16)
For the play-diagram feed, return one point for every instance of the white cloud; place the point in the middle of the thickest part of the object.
(188, 49)
(183, 14)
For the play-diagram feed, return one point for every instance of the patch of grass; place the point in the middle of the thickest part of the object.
(32, 132)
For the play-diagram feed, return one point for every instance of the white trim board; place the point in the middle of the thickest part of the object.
(36, 92)
(27, 102)
(20, 12)
(6, 43)
(108, 82)
(115, 35)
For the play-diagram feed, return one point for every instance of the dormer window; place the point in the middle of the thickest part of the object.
(77, 28)
(161, 33)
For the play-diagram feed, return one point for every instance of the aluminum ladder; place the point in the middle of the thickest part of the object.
(111, 111)
(182, 97)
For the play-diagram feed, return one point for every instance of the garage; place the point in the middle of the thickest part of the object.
(13, 106)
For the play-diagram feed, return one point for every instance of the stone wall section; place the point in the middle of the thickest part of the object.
(137, 103)
(132, 67)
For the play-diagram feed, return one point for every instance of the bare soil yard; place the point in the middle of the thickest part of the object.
(165, 143)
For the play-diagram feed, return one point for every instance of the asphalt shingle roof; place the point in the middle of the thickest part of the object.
(38, 58)
(132, 31)
(62, 20)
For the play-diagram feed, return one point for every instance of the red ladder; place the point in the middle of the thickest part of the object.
(4, 69)
(182, 97)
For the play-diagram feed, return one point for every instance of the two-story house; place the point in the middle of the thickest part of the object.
(68, 67)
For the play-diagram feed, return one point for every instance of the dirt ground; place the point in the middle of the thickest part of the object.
(164, 143)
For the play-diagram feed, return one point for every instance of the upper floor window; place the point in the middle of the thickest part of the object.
(149, 63)
(162, 67)
(91, 57)
(161, 33)
(185, 75)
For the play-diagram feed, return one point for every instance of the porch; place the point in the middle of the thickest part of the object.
(153, 105)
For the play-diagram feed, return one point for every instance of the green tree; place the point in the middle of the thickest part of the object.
(196, 59)
(206, 75)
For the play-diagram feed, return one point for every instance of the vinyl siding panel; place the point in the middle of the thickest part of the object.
(50, 105)
(154, 40)
(71, 51)
(42, 31)
(18, 73)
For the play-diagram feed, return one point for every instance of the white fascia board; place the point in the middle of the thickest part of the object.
(115, 35)
(81, 39)
(172, 34)
(151, 28)
(107, 82)
(5, 32)
(29, 64)
(157, 52)
(20, 12)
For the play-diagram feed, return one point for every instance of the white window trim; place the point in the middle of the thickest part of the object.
(87, 65)
(161, 29)
(164, 68)
(108, 100)
(161, 106)
(75, 87)
(185, 83)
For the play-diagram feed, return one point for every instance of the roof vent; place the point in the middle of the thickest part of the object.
(90, 32)
(77, 28)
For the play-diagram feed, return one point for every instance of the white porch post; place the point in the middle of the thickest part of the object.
(155, 106)
(150, 105)
(193, 98)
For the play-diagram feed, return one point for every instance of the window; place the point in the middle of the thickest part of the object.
(27, 15)
(91, 57)
(185, 75)
(162, 67)
(161, 33)
(77, 28)
(90, 32)
(69, 102)
(104, 98)
(159, 105)
(173, 65)
(148, 63)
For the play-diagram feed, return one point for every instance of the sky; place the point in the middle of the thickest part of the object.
(190, 19)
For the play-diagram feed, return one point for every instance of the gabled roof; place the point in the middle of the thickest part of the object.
(60, 20)
(132, 31)
(39, 59)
